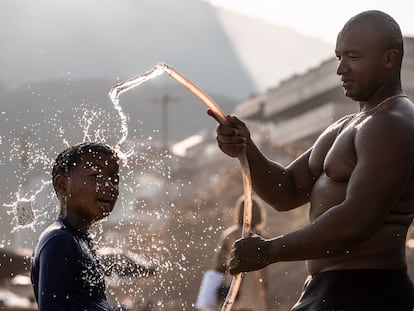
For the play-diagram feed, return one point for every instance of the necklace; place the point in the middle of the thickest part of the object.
(373, 109)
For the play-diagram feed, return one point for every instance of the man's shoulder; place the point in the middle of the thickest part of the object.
(395, 124)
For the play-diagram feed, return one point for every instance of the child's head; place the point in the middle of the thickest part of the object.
(85, 178)
(258, 213)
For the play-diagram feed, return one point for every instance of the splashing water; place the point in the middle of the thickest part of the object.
(166, 233)
(25, 215)
(122, 87)
(24, 211)
(22, 208)
(32, 205)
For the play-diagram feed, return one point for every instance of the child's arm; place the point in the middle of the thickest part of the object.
(56, 269)
(124, 264)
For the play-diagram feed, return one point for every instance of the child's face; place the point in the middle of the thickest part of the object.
(93, 186)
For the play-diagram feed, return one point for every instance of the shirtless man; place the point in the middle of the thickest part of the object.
(358, 178)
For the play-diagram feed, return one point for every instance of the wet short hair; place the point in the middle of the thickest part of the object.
(68, 158)
(258, 213)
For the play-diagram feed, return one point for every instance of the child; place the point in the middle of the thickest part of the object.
(66, 273)
(253, 292)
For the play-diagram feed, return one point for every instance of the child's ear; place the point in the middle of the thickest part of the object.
(61, 185)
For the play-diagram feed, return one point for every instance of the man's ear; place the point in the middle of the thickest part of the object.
(391, 58)
(60, 183)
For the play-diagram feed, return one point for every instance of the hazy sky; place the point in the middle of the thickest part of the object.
(320, 18)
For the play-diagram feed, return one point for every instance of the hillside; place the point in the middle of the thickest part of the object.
(223, 52)
(271, 53)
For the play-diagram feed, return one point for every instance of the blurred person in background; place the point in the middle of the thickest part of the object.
(253, 292)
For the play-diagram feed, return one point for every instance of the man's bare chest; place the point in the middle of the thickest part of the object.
(334, 153)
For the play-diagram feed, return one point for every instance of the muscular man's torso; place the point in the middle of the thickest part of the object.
(332, 161)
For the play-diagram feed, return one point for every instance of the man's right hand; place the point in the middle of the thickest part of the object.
(231, 137)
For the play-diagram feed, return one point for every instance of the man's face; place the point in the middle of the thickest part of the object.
(361, 59)
(93, 186)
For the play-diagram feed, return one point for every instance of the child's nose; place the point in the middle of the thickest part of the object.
(111, 186)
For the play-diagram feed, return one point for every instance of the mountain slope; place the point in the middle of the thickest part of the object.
(221, 51)
(271, 53)
(117, 39)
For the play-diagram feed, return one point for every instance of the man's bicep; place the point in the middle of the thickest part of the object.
(301, 177)
(382, 172)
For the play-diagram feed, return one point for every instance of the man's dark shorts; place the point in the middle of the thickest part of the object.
(357, 290)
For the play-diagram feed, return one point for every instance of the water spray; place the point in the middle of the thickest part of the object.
(122, 87)
(22, 208)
